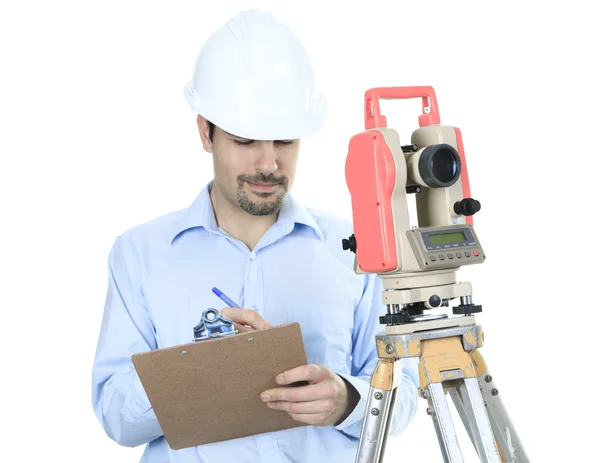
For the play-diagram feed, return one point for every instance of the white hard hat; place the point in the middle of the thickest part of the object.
(254, 79)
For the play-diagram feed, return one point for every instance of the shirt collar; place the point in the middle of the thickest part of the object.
(201, 214)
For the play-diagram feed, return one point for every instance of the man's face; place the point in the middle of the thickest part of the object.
(254, 175)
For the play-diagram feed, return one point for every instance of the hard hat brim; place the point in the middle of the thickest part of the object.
(274, 126)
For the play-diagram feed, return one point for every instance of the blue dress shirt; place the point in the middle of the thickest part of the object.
(160, 278)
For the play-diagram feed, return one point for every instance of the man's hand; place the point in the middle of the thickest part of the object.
(326, 401)
(245, 319)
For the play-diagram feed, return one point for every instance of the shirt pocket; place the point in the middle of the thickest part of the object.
(326, 325)
(176, 300)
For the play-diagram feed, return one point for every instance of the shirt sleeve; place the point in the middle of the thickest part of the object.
(364, 361)
(118, 397)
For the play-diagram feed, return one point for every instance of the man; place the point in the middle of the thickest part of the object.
(253, 90)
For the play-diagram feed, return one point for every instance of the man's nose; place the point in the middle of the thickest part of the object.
(266, 161)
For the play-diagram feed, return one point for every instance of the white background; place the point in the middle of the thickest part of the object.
(96, 137)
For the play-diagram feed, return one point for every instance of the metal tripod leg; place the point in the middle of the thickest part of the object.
(460, 408)
(442, 421)
(379, 412)
(504, 431)
(471, 408)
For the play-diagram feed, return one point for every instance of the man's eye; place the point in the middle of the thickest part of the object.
(285, 142)
(245, 143)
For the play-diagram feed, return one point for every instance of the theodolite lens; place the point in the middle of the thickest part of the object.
(439, 165)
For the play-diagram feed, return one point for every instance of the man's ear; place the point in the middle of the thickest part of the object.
(204, 133)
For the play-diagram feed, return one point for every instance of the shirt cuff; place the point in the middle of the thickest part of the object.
(136, 402)
(362, 386)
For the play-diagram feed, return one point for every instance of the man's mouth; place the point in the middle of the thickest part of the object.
(263, 187)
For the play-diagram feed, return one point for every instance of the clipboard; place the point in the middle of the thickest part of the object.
(208, 391)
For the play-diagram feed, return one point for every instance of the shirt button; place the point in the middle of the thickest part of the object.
(253, 255)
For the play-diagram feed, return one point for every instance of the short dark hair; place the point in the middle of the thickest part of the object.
(211, 130)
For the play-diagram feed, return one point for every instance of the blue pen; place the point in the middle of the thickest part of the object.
(224, 298)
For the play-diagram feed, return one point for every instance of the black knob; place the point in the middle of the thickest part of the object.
(467, 206)
(435, 301)
(350, 243)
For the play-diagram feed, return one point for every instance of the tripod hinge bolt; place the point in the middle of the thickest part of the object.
(378, 395)
(488, 379)
(494, 392)
(425, 394)
(429, 411)
(375, 411)
(389, 349)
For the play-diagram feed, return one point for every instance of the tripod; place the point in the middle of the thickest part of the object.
(448, 362)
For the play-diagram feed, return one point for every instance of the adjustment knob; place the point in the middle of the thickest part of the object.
(467, 206)
(435, 301)
(350, 243)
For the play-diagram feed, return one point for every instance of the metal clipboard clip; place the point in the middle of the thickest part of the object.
(213, 325)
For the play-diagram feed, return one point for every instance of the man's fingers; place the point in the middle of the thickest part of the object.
(242, 328)
(314, 406)
(246, 317)
(299, 394)
(311, 373)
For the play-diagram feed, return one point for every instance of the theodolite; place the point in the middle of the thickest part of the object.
(418, 266)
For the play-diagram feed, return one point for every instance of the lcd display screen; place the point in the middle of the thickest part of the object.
(445, 238)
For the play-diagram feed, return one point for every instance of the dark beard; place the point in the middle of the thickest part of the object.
(261, 207)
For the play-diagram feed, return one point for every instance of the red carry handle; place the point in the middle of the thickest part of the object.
(374, 118)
